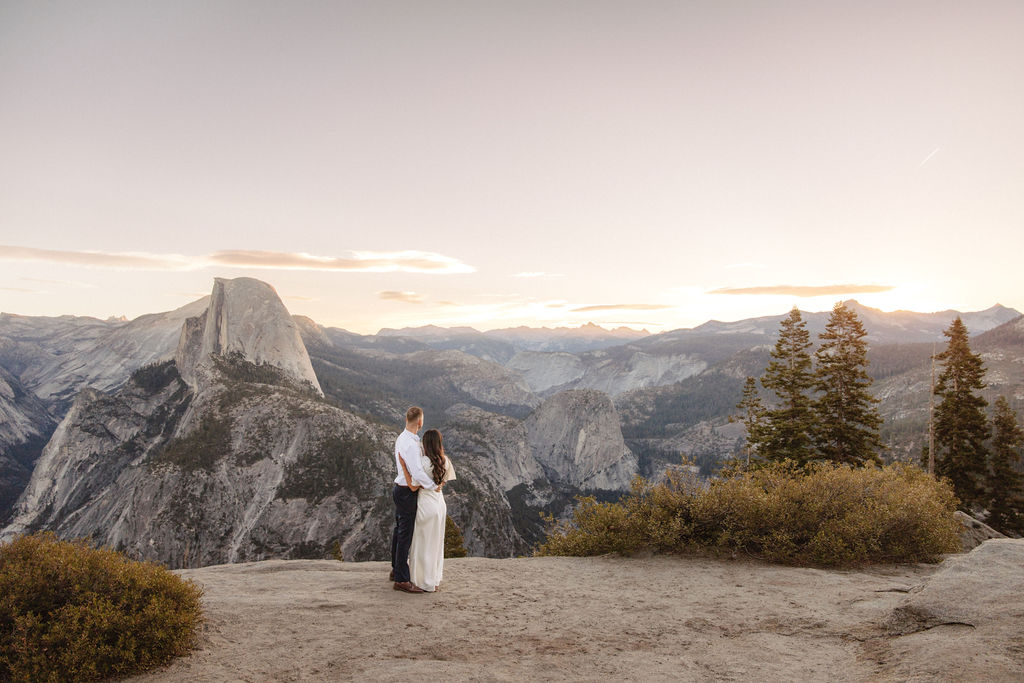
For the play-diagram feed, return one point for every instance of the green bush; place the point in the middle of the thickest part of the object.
(453, 541)
(825, 515)
(69, 612)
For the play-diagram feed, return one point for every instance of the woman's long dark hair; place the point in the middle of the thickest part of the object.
(434, 448)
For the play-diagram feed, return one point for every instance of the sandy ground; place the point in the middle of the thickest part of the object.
(546, 619)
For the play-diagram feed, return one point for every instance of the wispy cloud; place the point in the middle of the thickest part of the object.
(21, 290)
(407, 297)
(98, 259)
(929, 157)
(804, 290)
(296, 297)
(355, 261)
(621, 307)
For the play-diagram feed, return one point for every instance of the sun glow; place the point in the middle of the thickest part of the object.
(909, 297)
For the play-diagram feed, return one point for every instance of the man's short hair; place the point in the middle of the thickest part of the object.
(413, 414)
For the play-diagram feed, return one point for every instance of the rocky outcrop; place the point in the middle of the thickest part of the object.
(245, 319)
(247, 461)
(975, 532)
(956, 626)
(575, 436)
(240, 471)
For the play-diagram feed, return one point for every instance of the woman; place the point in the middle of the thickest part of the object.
(426, 555)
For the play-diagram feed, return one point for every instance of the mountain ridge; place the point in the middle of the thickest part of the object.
(272, 391)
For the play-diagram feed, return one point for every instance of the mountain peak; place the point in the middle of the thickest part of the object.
(245, 318)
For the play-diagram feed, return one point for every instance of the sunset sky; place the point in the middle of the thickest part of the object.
(383, 164)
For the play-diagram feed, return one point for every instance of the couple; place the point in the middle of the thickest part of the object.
(417, 543)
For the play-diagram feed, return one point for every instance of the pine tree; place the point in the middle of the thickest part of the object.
(788, 426)
(752, 414)
(846, 419)
(961, 427)
(453, 539)
(1005, 483)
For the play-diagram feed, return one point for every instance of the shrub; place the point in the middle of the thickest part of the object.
(453, 546)
(824, 515)
(71, 612)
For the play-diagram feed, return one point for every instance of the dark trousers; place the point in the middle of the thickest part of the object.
(405, 522)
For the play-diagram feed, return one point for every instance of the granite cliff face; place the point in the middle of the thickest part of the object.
(242, 460)
(25, 425)
(575, 436)
(45, 362)
(246, 320)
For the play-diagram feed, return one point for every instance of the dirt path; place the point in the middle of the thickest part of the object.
(659, 618)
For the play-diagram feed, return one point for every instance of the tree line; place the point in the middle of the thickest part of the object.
(820, 409)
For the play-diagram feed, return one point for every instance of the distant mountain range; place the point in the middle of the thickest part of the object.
(568, 339)
(229, 430)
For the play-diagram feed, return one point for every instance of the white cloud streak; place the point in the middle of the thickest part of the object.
(407, 297)
(929, 157)
(354, 262)
(98, 259)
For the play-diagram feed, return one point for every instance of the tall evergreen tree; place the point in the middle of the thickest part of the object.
(846, 419)
(961, 427)
(752, 415)
(789, 425)
(1005, 483)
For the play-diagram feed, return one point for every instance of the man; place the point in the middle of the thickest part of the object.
(410, 479)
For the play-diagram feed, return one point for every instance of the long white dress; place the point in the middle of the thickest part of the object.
(426, 554)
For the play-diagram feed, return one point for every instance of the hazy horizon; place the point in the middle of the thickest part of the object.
(396, 164)
(536, 325)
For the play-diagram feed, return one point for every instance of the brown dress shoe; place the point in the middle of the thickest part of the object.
(391, 575)
(408, 587)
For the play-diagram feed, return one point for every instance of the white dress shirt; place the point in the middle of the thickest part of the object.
(408, 448)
